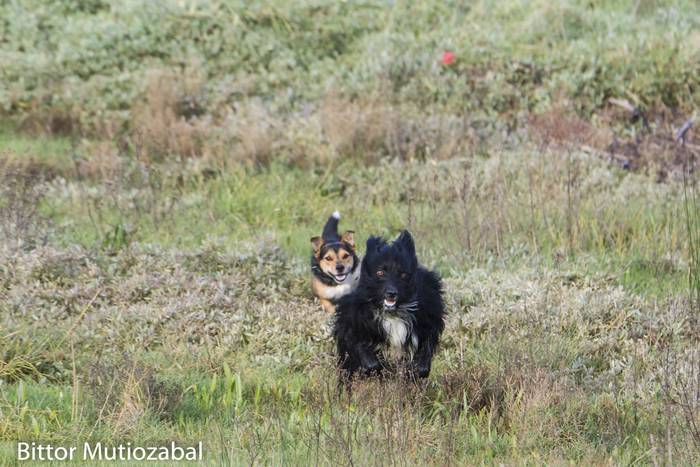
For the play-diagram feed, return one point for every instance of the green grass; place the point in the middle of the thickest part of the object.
(52, 153)
(538, 55)
(198, 324)
(163, 167)
(626, 236)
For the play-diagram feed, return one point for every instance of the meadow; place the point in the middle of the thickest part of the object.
(164, 164)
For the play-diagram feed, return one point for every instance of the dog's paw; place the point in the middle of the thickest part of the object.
(423, 371)
(420, 370)
(372, 368)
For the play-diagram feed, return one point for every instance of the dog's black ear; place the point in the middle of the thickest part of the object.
(373, 245)
(349, 238)
(405, 241)
(316, 244)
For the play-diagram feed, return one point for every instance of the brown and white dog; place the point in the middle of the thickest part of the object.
(334, 264)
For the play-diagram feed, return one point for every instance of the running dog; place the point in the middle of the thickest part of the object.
(334, 264)
(395, 316)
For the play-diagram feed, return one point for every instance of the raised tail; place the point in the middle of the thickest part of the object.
(330, 231)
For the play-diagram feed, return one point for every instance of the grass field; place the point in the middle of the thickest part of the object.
(163, 166)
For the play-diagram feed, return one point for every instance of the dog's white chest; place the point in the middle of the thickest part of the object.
(397, 333)
(335, 292)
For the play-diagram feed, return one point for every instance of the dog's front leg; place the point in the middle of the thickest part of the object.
(368, 359)
(423, 360)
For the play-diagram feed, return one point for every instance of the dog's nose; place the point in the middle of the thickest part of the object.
(391, 292)
(339, 267)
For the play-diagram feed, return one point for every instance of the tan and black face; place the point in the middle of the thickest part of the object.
(335, 259)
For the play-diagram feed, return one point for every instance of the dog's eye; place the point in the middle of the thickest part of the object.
(380, 273)
(328, 258)
(344, 256)
(404, 275)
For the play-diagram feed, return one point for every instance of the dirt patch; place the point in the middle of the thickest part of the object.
(660, 144)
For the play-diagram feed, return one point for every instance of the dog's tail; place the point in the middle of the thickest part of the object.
(330, 231)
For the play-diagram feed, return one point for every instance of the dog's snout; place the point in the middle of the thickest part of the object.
(391, 292)
(339, 267)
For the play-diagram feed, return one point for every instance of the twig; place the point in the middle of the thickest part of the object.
(634, 111)
(682, 133)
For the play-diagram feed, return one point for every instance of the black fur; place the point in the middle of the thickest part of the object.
(330, 230)
(359, 329)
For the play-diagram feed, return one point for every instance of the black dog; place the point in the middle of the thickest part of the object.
(396, 314)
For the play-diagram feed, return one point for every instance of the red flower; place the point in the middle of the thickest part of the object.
(448, 58)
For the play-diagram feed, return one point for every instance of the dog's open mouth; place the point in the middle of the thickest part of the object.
(339, 277)
(389, 302)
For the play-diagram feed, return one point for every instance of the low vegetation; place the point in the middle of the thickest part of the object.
(163, 166)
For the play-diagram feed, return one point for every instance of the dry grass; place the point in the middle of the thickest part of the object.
(172, 120)
(21, 191)
(258, 136)
(133, 305)
(99, 160)
(252, 134)
(544, 356)
(357, 129)
(124, 392)
(681, 379)
(561, 127)
(532, 361)
(168, 121)
(369, 130)
(625, 136)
